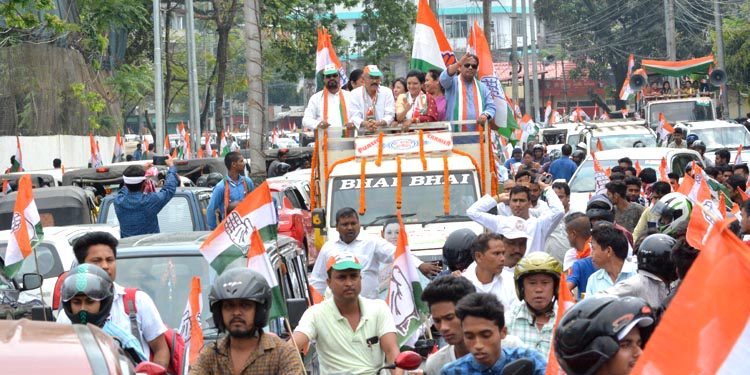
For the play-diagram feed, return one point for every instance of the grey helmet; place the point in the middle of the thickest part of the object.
(241, 283)
(93, 282)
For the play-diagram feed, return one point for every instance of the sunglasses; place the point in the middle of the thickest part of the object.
(328, 76)
(472, 66)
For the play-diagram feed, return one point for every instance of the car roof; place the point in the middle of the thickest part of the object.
(46, 197)
(622, 128)
(70, 231)
(641, 152)
(710, 124)
(180, 191)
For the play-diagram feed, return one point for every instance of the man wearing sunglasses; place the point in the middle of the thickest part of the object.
(374, 105)
(467, 98)
(330, 108)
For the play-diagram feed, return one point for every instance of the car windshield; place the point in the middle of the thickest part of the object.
(583, 181)
(725, 137)
(573, 139)
(173, 218)
(49, 262)
(687, 111)
(422, 194)
(614, 142)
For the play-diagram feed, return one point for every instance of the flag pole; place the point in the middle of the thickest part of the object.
(294, 342)
(41, 295)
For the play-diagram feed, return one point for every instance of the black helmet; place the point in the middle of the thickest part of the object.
(213, 179)
(600, 208)
(93, 282)
(282, 169)
(589, 333)
(241, 283)
(655, 256)
(456, 250)
(202, 181)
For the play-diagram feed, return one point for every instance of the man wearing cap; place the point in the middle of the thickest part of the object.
(373, 104)
(353, 334)
(466, 97)
(330, 108)
(136, 211)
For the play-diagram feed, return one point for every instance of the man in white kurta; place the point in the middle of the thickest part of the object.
(330, 108)
(372, 103)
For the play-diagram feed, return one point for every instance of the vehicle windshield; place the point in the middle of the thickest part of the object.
(583, 181)
(574, 139)
(614, 142)
(49, 262)
(422, 194)
(725, 137)
(693, 110)
(173, 218)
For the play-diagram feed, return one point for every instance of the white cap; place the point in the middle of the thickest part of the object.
(515, 228)
(643, 321)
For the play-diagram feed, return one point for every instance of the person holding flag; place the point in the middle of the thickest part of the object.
(240, 302)
(330, 108)
(233, 188)
(466, 97)
(16, 161)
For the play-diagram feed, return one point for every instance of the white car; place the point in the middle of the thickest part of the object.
(582, 183)
(612, 134)
(54, 255)
(286, 143)
(717, 135)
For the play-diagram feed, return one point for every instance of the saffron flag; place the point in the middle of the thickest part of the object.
(663, 175)
(95, 160)
(258, 261)
(231, 239)
(118, 153)
(504, 118)
(145, 144)
(325, 55)
(430, 49)
(548, 118)
(600, 176)
(599, 146)
(167, 146)
(665, 128)
(706, 329)
(190, 324)
(6, 187)
(208, 152)
(565, 300)
(404, 289)
(637, 168)
(25, 228)
(738, 157)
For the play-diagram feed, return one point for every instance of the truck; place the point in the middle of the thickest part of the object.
(378, 174)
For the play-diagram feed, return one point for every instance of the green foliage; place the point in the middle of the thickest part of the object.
(132, 83)
(737, 52)
(390, 21)
(93, 103)
(21, 18)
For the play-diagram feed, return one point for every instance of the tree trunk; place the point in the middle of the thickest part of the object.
(486, 22)
(168, 76)
(221, 74)
(256, 108)
(207, 100)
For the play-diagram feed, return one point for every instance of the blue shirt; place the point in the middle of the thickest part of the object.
(467, 365)
(450, 84)
(511, 161)
(579, 273)
(137, 212)
(600, 280)
(563, 168)
(125, 339)
(237, 192)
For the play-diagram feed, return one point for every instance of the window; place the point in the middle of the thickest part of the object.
(362, 32)
(172, 218)
(456, 26)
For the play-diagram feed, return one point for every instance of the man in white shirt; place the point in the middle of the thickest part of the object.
(373, 104)
(330, 108)
(519, 201)
(486, 273)
(372, 252)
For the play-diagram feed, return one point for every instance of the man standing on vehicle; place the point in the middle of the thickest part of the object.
(373, 105)
(466, 97)
(274, 167)
(678, 139)
(137, 211)
(372, 252)
(331, 108)
(353, 334)
(240, 301)
(100, 248)
(233, 188)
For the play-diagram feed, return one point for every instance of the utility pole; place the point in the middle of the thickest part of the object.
(486, 12)
(671, 35)
(513, 49)
(194, 110)
(525, 47)
(256, 100)
(433, 7)
(158, 93)
(720, 56)
(534, 75)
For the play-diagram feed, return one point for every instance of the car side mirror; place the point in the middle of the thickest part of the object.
(319, 218)
(31, 281)
(286, 203)
(296, 307)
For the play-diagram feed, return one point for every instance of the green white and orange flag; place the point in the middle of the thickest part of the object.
(601, 179)
(405, 291)
(682, 68)
(119, 152)
(25, 229)
(258, 261)
(190, 325)
(325, 55)
(431, 49)
(223, 147)
(231, 239)
(705, 209)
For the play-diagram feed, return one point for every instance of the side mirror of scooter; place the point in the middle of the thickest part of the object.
(150, 368)
(407, 360)
(521, 366)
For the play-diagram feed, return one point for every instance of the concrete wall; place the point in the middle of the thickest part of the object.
(38, 152)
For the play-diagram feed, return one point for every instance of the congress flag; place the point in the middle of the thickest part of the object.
(430, 49)
(258, 261)
(325, 55)
(601, 177)
(190, 324)
(626, 90)
(665, 128)
(96, 159)
(117, 155)
(25, 228)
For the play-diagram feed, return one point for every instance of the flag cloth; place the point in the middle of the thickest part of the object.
(18, 166)
(599, 146)
(548, 118)
(600, 176)
(738, 157)
(430, 49)
(145, 144)
(679, 68)
(258, 261)
(527, 128)
(223, 145)
(504, 118)
(208, 152)
(118, 153)
(190, 324)
(96, 160)
(565, 300)
(663, 175)
(665, 128)
(167, 146)
(6, 187)
(231, 239)
(325, 55)
(626, 91)
(25, 229)
(404, 290)
(637, 168)
(697, 191)
(705, 330)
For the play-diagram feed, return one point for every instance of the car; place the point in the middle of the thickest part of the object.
(33, 347)
(582, 183)
(42, 178)
(52, 256)
(194, 168)
(717, 135)
(186, 211)
(57, 206)
(295, 219)
(106, 177)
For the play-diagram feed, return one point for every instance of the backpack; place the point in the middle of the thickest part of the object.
(175, 341)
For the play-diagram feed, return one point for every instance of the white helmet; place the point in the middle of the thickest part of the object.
(669, 212)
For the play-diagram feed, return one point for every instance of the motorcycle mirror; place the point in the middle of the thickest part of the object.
(521, 366)
(150, 368)
(408, 360)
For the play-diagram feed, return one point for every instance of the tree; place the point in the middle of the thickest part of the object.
(256, 109)
(224, 15)
(737, 52)
(390, 21)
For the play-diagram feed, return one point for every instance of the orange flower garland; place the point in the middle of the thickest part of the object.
(421, 150)
(398, 182)
(314, 172)
(493, 167)
(476, 166)
(446, 187)
(481, 153)
(325, 163)
(362, 203)
(380, 149)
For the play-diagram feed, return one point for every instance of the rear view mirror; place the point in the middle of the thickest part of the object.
(408, 360)
(31, 281)
(319, 218)
(296, 307)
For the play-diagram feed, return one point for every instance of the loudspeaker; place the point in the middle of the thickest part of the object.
(637, 82)
(718, 77)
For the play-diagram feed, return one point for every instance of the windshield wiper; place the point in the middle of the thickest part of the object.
(384, 217)
(441, 218)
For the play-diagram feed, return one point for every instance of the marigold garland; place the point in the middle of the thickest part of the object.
(476, 166)
(446, 187)
(362, 203)
(481, 153)
(380, 149)
(421, 150)
(313, 173)
(398, 182)
(493, 167)
(325, 162)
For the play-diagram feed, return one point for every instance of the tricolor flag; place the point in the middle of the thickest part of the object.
(404, 290)
(95, 160)
(118, 153)
(697, 191)
(548, 118)
(223, 145)
(599, 146)
(167, 146)
(596, 110)
(231, 239)
(145, 144)
(706, 329)
(504, 118)
(430, 49)
(663, 173)
(679, 68)
(187, 155)
(208, 152)
(637, 168)
(738, 157)
(325, 55)
(18, 159)
(6, 187)
(565, 300)
(579, 115)
(665, 128)
(600, 176)
(190, 325)
(258, 261)
(528, 127)
(25, 230)
(626, 91)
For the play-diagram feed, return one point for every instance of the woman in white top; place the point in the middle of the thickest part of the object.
(415, 105)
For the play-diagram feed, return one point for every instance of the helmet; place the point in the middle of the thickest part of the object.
(691, 138)
(93, 282)
(241, 283)
(698, 144)
(456, 250)
(600, 208)
(588, 334)
(213, 179)
(669, 212)
(282, 169)
(202, 181)
(534, 263)
(655, 256)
